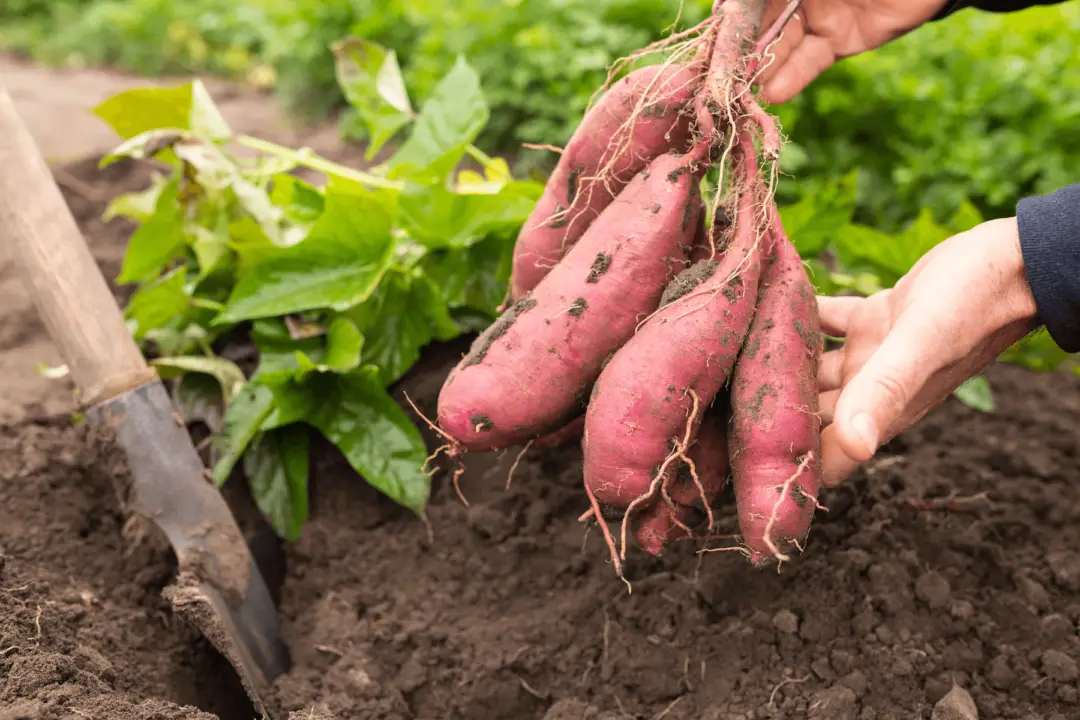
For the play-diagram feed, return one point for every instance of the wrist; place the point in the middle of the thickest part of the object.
(1018, 300)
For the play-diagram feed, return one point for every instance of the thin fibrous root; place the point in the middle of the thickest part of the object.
(784, 491)
(606, 531)
(661, 473)
(517, 461)
(452, 449)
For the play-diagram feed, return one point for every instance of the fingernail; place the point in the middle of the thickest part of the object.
(866, 429)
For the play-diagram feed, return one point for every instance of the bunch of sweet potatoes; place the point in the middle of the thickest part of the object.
(680, 342)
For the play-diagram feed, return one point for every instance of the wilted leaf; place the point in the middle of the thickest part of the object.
(229, 376)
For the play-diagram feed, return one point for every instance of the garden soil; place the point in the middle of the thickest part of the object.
(949, 562)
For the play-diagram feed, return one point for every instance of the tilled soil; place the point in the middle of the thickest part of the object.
(950, 560)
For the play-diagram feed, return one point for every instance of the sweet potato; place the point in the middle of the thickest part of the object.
(527, 373)
(774, 435)
(662, 523)
(677, 361)
(640, 118)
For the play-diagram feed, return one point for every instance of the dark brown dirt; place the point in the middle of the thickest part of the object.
(912, 582)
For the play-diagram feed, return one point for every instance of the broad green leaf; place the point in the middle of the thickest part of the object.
(449, 121)
(355, 413)
(243, 417)
(378, 439)
(438, 218)
(184, 107)
(371, 81)
(276, 465)
(812, 222)
(301, 202)
(229, 376)
(155, 243)
(976, 394)
(404, 315)
(158, 303)
(139, 110)
(278, 351)
(212, 251)
(863, 247)
(344, 342)
(138, 206)
(338, 265)
(474, 278)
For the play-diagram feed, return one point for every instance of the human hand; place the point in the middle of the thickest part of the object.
(907, 348)
(824, 31)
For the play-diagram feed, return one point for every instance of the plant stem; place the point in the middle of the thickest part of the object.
(479, 155)
(312, 161)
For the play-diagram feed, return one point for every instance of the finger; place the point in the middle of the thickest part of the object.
(835, 313)
(836, 464)
(778, 52)
(831, 370)
(827, 406)
(812, 56)
(879, 393)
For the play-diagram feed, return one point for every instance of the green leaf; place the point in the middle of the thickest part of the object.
(449, 121)
(338, 265)
(157, 242)
(158, 303)
(405, 314)
(439, 218)
(302, 202)
(226, 372)
(343, 345)
(355, 413)
(976, 394)
(243, 417)
(371, 81)
(474, 278)
(183, 107)
(812, 222)
(276, 465)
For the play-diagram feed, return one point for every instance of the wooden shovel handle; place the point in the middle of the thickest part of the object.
(39, 233)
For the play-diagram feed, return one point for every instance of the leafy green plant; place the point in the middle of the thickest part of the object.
(337, 287)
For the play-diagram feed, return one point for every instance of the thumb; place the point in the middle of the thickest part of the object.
(880, 392)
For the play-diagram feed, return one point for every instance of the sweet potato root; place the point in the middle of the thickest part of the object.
(525, 376)
(775, 426)
(692, 491)
(642, 117)
(673, 366)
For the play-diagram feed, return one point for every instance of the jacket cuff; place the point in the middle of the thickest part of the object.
(1050, 244)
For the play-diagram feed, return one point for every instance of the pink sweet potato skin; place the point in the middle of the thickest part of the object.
(774, 396)
(530, 370)
(641, 401)
(659, 524)
(662, 125)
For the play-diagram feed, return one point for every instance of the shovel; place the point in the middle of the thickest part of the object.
(219, 589)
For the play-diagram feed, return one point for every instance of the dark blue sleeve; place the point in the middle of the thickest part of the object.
(1050, 243)
(991, 5)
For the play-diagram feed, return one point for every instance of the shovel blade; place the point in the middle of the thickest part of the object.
(219, 588)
